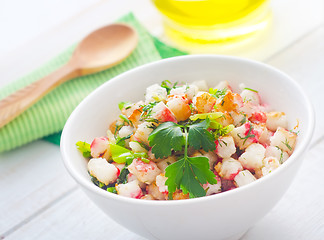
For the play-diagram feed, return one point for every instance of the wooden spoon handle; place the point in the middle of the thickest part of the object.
(16, 103)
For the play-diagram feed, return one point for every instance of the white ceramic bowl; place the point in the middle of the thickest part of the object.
(226, 215)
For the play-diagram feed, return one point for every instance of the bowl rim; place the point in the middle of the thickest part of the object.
(93, 188)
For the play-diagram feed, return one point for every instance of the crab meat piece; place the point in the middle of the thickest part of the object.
(269, 164)
(120, 166)
(258, 117)
(162, 113)
(204, 102)
(238, 118)
(131, 177)
(251, 97)
(226, 119)
(142, 132)
(230, 102)
(100, 148)
(244, 177)
(178, 104)
(275, 120)
(155, 93)
(125, 131)
(223, 85)
(130, 189)
(252, 157)
(276, 152)
(153, 190)
(284, 140)
(189, 90)
(213, 188)
(245, 135)
(160, 183)
(228, 168)
(145, 172)
(102, 170)
(136, 147)
(133, 112)
(163, 164)
(179, 195)
(225, 146)
(201, 85)
(263, 132)
(148, 197)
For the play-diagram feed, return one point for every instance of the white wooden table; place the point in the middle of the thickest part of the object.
(39, 200)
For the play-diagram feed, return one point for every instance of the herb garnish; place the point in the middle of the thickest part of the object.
(250, 89)
(287, 144)
(248, 135)
(168, 85)
(125, 119)
(217, 93)
(147, 110)
(188, 173)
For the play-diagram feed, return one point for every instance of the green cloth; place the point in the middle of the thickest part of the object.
(48, 116)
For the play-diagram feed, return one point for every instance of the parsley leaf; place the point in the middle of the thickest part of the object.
(165, 137)
(200, 166)
(84, 148)
(199, 137)
(174, 173)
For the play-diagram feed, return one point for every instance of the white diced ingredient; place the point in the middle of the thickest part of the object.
(253, 156)
(148, 197)
(163, 164)
(142, 132)
(275, 120)
(155, 93)
(145, 172)
(269, 164)
(125, 131)
(120, 166)
(228, 168)
(162, 113)
(284, 140)
(276, 152)
(250, 96)
(225, 147)
(160, 182)
(223, 84)
(102, 170)
(263, 132)
(100, 147)
(238, 119)
(213, 188)
(190, 90)
(153, 190)
(239, 135)
(243, 178)
(136, 147)
(202, 85)
(130, 189)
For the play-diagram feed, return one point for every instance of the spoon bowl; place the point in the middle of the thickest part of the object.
(105, 48)
(100, 50)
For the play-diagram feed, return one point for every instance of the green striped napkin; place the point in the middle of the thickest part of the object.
(48, 116)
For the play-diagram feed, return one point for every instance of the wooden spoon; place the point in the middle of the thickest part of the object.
(100, 50)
